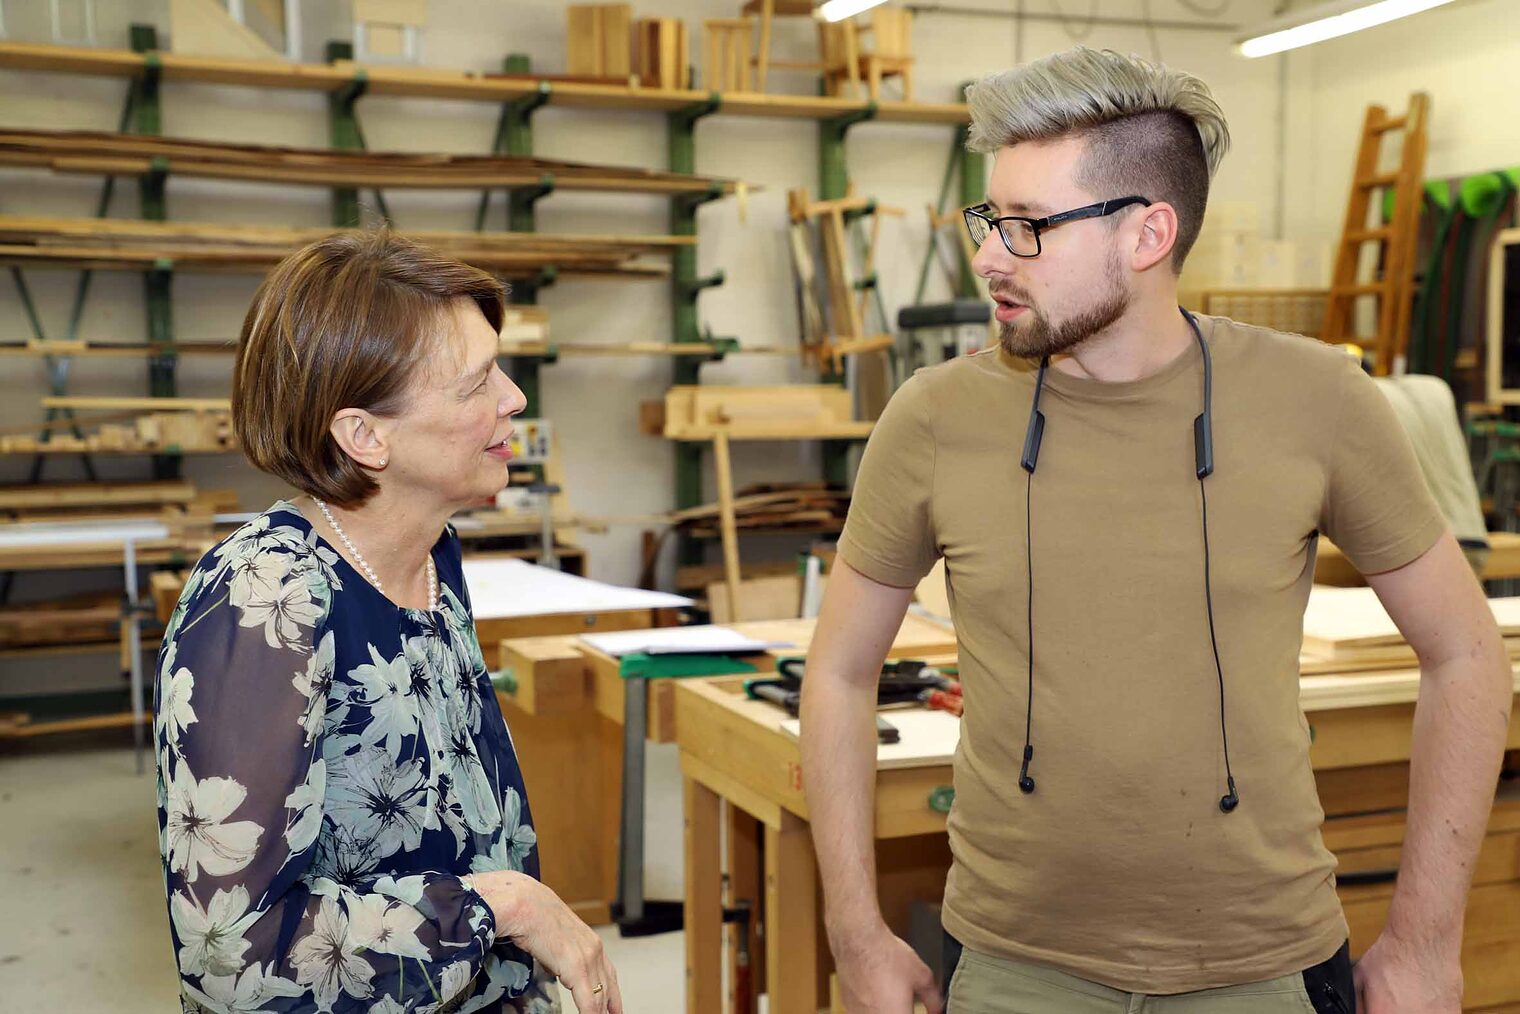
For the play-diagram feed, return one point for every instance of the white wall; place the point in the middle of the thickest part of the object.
(1463, 55)
(612, 469)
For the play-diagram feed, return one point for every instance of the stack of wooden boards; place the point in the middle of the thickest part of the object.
(138, 155)
(1347, 631)
(800, 507)
(141, 245)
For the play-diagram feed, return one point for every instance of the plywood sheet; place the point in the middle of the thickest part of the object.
(925, 738)
(1341, 620)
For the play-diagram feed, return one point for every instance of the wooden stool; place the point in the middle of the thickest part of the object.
(727, 42)
(768, 10)
(891, 54)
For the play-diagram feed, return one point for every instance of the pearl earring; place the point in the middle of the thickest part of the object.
(383, 461)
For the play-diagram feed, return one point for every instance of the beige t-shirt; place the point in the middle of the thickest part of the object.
(1120, 868)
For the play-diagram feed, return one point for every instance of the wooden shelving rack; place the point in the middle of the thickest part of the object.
(137, 151)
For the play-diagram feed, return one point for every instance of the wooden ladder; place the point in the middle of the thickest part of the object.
(1393, 274)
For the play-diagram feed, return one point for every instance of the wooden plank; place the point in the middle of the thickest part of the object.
(94, 494)
(746, 885)
(762, 598)
(725, 479)
(140, 404)
(426, 83)
(703, 908)
(791, 919)
(22, 727)
(1339, 621)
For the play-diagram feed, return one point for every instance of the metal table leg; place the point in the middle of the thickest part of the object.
(635, 915)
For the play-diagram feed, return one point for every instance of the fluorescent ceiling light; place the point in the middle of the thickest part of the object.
(838, 10)
(1328, 21)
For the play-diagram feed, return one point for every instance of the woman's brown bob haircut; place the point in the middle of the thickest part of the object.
(345, 322)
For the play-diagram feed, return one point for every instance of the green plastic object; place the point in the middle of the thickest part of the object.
(505, 681)
(941, 797)
(1483, 194)
(639, 666)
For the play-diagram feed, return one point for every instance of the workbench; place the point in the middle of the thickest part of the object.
(567, 712)
(741, 769)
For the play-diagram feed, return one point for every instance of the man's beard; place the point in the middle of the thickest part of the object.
(1035, 337)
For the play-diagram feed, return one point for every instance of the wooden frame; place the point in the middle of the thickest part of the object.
(1498, 394)
(398, 21)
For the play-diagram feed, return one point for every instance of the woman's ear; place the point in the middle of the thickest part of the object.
(362, 437)
(1157, 236)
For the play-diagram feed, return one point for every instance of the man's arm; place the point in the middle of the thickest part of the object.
(1460, 725)
(878, 973)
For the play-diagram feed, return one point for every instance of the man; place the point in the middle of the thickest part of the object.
(1136, 823)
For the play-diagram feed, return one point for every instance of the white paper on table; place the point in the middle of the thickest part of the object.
(500, 589)
(705, 640)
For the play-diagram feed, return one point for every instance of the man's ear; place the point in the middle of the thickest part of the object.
(362, 436)
(1157, 236)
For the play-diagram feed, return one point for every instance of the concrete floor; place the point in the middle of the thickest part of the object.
(86, 925)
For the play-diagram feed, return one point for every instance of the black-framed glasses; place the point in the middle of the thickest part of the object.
(1022, 235)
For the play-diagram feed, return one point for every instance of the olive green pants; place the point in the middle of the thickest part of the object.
(988, 985)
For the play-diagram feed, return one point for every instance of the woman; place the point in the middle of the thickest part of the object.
(343, 824)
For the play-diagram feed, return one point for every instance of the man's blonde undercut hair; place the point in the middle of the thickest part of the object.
(1149, 130)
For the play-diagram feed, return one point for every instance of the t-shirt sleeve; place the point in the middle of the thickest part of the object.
(1378, 507)
(889, 534)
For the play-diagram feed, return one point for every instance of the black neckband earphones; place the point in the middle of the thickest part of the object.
(1203, 460)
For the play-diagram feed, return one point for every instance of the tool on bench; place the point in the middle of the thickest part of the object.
(903, 682)
(944, 700)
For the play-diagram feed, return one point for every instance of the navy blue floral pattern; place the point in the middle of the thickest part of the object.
(331, 768)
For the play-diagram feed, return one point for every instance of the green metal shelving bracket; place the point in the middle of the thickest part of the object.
(833, 177)
(973, 173)
(970, 287)
(685, 286)
(514, 136)
(721, 347)
(153, 205)
(344, 132)
(690, 290)
(834, 183)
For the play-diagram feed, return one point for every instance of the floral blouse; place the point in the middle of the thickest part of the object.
(331, 768)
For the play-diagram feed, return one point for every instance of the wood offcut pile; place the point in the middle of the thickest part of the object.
(192, 432)
(135, 155)
(778, 507)
(141, 245)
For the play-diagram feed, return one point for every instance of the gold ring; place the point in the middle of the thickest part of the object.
(597, 989)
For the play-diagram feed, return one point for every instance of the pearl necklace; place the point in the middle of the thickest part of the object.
(432, 571)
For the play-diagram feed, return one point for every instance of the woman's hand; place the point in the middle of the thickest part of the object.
(535, 919)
